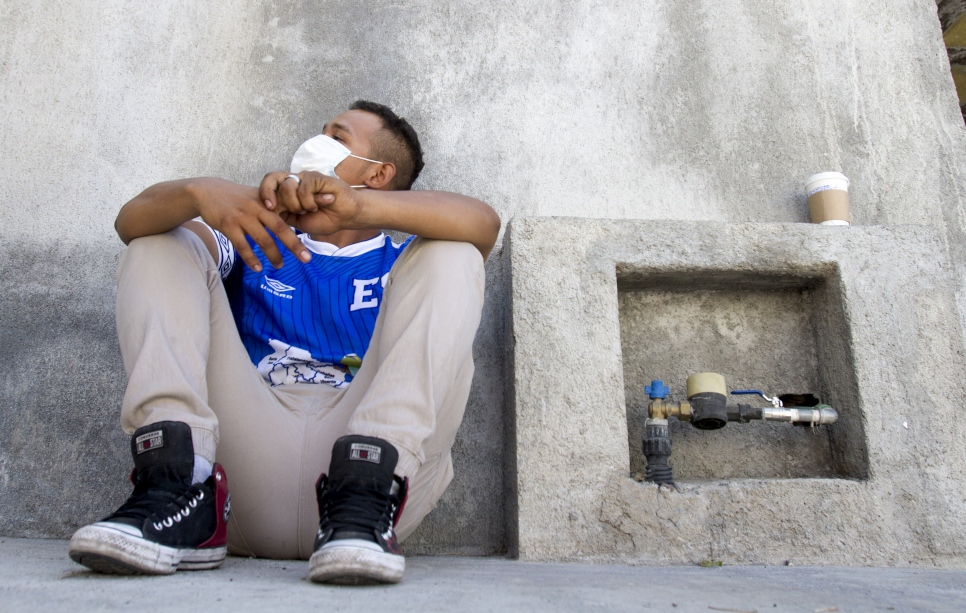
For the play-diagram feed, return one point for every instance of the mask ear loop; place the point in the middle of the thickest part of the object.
(359, 157)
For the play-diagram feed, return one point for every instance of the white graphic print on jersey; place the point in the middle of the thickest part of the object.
(277, 288)
(341, 286)
(287, 365)
(361, 296)
(226, 253)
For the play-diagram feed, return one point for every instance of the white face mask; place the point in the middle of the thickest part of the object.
(322, 154)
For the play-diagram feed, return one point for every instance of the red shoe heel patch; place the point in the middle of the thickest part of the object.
(222, 508)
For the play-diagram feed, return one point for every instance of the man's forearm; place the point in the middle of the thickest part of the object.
(232, 209)
(157, 209)
(430, 214)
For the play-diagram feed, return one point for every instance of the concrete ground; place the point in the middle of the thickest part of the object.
(37, 575)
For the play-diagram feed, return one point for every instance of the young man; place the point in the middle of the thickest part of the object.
(331, 352)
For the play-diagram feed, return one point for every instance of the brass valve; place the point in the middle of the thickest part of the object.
(659, 409)
(705, 406)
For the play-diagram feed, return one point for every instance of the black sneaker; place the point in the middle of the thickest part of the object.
(167, 523)
(357, 512)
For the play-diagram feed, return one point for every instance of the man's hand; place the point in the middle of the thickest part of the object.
(232, 209)
(316, 203)
(322, 205)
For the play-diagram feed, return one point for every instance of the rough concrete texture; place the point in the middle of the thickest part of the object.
(888, 354)
(36, 575)
(663, 110)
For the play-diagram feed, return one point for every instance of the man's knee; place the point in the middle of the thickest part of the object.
(159, 249)
(177, 239)
(444, 258)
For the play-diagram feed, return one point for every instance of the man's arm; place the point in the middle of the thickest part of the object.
(234, 210)
(323, 205)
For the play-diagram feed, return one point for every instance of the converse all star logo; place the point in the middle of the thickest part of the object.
(361, 451)
(227, 510)
(149, 441)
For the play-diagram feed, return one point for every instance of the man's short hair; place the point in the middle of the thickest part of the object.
(396, 142)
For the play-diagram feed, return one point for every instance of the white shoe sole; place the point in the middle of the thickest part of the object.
(350, 565)
(104, 549)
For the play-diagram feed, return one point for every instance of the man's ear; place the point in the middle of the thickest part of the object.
(382, 177)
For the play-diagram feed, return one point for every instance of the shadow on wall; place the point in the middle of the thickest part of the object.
(63, 458)
(64, 461)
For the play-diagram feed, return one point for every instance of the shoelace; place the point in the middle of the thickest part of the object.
(157, 500)
(362, 509)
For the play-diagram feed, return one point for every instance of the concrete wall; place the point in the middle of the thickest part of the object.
(881, 486)
(620, 109)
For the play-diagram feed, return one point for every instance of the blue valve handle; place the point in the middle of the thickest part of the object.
(750, 393)
(774, 401)
(657, 389)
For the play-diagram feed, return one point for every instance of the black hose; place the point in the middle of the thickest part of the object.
(659, 473)
(657, 450)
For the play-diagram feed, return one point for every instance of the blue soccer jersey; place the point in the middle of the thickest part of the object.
(309, 322)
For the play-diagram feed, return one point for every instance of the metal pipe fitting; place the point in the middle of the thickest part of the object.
(743, 413)
(659, 409)
(802, 416)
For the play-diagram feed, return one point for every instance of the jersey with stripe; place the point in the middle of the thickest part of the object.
(308, 322)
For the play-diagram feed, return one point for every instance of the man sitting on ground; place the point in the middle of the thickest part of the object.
(329, 351)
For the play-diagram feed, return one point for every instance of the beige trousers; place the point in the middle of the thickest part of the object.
(185, 362)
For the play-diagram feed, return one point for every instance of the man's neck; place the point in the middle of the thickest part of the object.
(344, 238)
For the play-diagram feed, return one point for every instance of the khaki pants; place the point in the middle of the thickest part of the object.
(185, 362)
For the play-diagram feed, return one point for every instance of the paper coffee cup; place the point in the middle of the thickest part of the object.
(828, 198)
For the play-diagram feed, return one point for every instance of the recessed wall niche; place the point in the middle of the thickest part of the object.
(781, 334)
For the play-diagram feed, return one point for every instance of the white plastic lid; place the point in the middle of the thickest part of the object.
(826, 180)
(824, 176)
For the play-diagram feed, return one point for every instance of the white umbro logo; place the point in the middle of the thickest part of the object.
(278, 286)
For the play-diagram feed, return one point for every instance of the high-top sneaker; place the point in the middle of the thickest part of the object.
(167, 523)
(359, 503)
